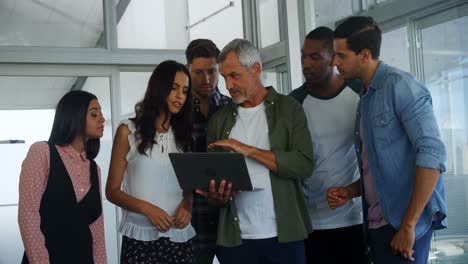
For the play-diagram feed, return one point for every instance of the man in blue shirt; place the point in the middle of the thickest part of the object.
(399, 150)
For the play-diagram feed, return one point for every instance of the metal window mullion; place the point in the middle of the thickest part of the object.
(282, 20)
(53, 70)
(69, 56)
(416, 56)
(257, 23)
(116, 109)
(286, 82)
(279, 81)
(187, 17)
(287, 53)
(301, 10)
(116, 112)
(249, 21)
(392, 10)
(110, 24)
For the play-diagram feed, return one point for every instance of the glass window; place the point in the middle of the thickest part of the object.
(11, 246)
(445, 61)
(276, 77)
(270, 78)
(395, 48)
(149, 24)
(132, 90)
(110, 226)
(326, 13)
(51, 23)
(269, 22)
(14, 128)
(27, 111)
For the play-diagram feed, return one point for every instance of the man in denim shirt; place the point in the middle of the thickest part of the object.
(400, 153)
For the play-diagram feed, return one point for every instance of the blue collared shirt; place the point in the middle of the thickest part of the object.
(400, 134)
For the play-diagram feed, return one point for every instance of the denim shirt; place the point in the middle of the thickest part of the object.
(400, 134)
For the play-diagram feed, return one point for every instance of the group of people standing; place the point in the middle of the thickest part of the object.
(347, 168)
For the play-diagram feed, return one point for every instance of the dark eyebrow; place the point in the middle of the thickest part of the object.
(224, 75)
(177, 85)
(312, 53)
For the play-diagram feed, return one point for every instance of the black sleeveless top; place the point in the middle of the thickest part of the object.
(64, 221)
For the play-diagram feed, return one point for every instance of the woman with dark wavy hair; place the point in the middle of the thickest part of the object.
(156, 213)
(60, 209)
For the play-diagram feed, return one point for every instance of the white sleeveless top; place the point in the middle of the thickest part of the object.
(152, 178)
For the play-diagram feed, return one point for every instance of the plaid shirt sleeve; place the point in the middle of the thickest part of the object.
(205, 215)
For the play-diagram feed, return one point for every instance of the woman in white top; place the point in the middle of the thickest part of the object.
(156, 213)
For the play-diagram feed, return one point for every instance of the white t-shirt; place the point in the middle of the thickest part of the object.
(331, 124)
(255, 210)
(152, 178)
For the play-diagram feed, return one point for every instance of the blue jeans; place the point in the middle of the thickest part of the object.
(381, 253)
(263, 251)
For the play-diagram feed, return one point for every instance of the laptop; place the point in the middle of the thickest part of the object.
(195, 170)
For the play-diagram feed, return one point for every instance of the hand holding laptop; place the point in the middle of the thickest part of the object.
(222, 195)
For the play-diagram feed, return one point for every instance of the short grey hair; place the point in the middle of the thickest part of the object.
(245, 51)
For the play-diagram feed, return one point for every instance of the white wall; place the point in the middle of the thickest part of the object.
(221, 28)
(13, 126)
(153, 24)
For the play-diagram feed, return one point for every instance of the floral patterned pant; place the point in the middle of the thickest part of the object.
(161, 251)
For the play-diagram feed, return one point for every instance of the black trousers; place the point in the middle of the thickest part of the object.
(341, 245)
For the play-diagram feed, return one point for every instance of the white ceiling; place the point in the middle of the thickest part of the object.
(58, 23)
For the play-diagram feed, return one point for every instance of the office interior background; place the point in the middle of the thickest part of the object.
(110, 47)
